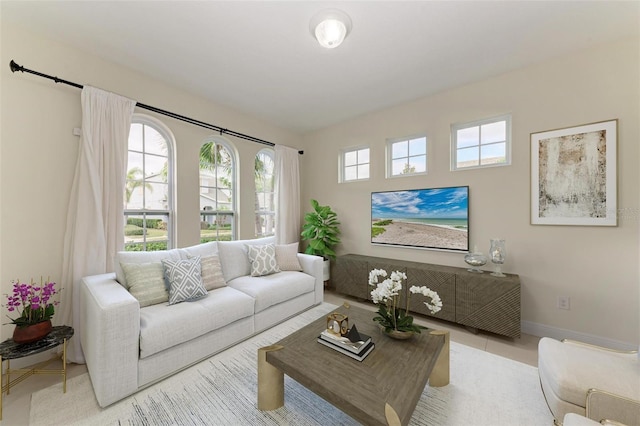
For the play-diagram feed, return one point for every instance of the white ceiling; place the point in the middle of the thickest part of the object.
(260, 58)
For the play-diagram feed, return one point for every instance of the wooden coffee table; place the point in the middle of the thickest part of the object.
(383, 389)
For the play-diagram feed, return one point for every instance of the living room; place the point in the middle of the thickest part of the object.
(595, 266)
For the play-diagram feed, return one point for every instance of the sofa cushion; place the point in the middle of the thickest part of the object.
(212, 272)
(263, 260)
(202, 250)
(185, 280)
(234, 258)
(270, 290)
(146, 282)
(164, 326)
(141, 257)
(287, 257)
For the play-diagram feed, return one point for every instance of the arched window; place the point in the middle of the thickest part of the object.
(148, 203)
(217, 191)
(265, 198)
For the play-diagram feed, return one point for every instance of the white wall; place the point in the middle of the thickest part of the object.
(597, 267)
(38, 151)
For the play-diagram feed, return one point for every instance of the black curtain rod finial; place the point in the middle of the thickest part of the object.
(15, 67)
(300, 152)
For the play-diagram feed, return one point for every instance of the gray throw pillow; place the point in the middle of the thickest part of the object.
(185, 280)
(263, 260)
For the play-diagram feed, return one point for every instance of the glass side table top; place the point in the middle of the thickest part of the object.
(11, 350)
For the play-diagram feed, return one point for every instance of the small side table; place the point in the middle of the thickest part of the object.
(10, 350)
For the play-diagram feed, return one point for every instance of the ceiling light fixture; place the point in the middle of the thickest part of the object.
(330, 27)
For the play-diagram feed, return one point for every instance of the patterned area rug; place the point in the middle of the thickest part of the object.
(485, 389)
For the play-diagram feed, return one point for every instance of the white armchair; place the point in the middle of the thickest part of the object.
(589, 380)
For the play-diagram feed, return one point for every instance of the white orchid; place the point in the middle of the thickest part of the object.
(436, 303)
(387, 296)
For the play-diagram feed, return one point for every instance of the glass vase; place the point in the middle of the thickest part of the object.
(497, 254)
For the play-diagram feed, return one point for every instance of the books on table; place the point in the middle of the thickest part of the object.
(357, 350)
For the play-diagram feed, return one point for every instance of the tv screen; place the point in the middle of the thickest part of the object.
(435, 218)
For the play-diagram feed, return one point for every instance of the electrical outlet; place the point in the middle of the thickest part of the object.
(564, 302)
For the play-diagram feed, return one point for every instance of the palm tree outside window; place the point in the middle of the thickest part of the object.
(265, 196)
(217, 191)
(148, 195)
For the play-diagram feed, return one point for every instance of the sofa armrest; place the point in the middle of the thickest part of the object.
(110, 337)
(312, 265)
(602, 405)
(601, 348)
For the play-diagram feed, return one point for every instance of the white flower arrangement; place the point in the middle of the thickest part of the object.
(387, 294)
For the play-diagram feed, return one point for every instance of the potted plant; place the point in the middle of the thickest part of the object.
(321, 230)
(396, 321)
(35, 306)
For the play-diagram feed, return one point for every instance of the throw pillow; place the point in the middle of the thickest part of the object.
(185, 280)
(212, 277)
(146, 282)
(287, 257)
(263, 260)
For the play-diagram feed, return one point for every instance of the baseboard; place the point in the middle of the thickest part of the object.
(542, 330)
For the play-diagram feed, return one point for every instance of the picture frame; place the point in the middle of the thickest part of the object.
(574, 175)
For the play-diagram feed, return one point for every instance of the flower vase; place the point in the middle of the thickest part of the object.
(31, 333)
(399, 335)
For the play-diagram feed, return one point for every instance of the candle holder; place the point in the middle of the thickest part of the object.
(497, 253)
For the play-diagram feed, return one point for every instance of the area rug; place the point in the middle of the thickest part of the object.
(485, 389)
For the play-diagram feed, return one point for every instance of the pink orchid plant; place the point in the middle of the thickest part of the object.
(33, 302)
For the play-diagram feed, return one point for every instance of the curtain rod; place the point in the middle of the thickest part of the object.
(15, 67)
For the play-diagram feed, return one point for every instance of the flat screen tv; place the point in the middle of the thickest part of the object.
(434, 218)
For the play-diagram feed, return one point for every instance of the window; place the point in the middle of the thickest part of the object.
(148, 187)
(483, 143)
(407, 156)
(265, 198)
(217, 191)
(355, 165)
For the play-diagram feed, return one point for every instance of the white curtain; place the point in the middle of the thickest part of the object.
(287, 176)
(95, 218)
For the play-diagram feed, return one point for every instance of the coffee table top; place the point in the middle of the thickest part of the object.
(395, 373)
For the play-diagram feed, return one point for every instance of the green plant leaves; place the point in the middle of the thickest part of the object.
(321, 230)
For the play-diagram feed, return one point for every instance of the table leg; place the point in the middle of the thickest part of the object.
(8, 376)
(1, 387)
(270, 381)
(64, 366)
(440, 373)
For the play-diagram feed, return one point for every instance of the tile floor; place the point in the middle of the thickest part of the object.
(15, 409)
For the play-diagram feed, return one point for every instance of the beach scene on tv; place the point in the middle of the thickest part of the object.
(435, 218)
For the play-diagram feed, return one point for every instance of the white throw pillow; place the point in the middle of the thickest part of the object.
(146, 282)
(263, 260)
(212, 277)
(185, 280)
(287, 257)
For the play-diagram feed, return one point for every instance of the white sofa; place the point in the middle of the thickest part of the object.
(127, 347)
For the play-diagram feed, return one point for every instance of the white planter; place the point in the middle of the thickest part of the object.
(325, 270)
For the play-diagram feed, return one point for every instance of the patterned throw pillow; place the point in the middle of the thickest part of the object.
(287, 257)
(185, 279)
(146, 282)
(263, 260)
(212, 276)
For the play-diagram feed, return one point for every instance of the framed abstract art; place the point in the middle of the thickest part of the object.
(573, 175)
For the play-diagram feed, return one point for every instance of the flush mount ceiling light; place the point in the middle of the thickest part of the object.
(330, 27)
